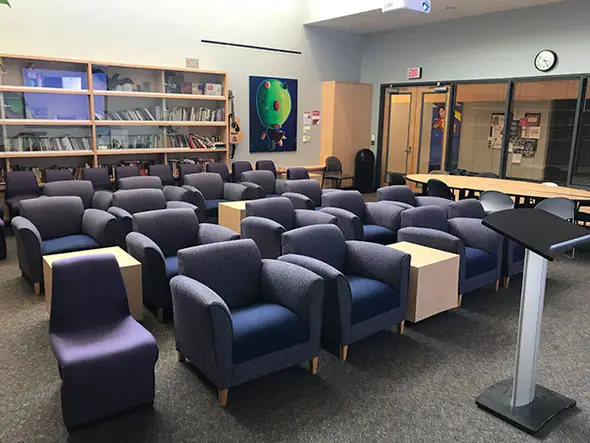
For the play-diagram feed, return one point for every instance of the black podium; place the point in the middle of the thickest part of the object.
(519, 400)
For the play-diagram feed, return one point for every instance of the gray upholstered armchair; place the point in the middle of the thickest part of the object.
(479, 248)
(55, 225)
(304, 194)
(512, 253)
(366, 284)
(403, 196)
(262, 317)
(372, 222)
(171, 192)
(129, 202)
(267, 219)
(208, 190)
(75, 188)
(262, 184)
(155, 241)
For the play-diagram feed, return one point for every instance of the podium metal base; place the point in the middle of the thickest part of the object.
(530, 418)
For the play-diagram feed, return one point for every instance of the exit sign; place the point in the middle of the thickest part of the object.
(414, 73)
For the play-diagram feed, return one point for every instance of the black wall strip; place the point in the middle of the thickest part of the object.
(258, 48)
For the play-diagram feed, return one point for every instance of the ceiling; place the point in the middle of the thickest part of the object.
(442, 10)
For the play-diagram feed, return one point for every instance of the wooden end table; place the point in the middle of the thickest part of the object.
(231, 214)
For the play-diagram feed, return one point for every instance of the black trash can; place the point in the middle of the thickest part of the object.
(364, 171)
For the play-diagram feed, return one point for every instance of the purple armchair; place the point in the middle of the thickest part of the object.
(403, 196)
(105, 358)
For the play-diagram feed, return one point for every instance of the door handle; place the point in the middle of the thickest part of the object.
(409, 149)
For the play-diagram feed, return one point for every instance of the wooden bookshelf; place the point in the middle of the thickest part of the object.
(23, 77)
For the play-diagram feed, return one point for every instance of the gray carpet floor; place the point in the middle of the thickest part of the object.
(414, 388)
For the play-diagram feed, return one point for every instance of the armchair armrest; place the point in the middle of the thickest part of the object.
(210, 233)
(99, 225)
(203, 328)
(199, 201)
(398, 204)
(300, 201)
(235, 191)
(266, 234)
(253, 191)
(29, 245)
(425, 200)
(298, 289)
(379, 262)
(432, 239)
(124, 224)
(178, 193)
(102, 200)
(306, 217)
(280, 186)
(476, 235)
(350, 225)
(383, 214)
(183, 205)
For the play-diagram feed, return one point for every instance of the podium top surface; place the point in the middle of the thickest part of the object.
(537, 230)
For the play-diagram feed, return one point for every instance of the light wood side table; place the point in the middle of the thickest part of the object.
(434, 281)
(130, 269)
(231, 214)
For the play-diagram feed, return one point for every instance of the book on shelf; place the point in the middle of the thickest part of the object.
(125, 141)
(192, 141)
(176, 113)
(213, 89)
(38, 142)
(137, 114)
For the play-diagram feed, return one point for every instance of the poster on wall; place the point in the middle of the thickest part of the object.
(437, 135)
(273, 114)
(496, 131)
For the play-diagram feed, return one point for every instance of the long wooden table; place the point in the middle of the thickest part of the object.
(515, 188)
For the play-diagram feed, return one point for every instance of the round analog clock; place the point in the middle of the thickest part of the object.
(545, 60)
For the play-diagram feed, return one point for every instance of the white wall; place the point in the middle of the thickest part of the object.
(157, 32)
(319, 10)
(491, 46)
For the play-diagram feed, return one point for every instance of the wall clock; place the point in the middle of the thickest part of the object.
(545, 60)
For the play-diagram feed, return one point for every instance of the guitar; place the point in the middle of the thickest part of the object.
(235, 130)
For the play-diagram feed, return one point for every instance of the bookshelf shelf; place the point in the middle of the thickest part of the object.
(41, 154)
(43, 122)
(154, 151)
(156, 123)
(4, 88)
(160, 95)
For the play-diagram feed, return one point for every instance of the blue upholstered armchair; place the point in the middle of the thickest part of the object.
(103, 188)
(262, 317)
(208, 190)
(74, 188)
(171, 192)
(54, 225)
(366, 284)
(164, 172)
(512, 253)
(479, 248)
(155, 241)
(187, 169)
(304, 194)
(403, 196)
(372, 222)
(129, 202)
(105, 358)
(239, 167)
(267, 219)
(262, 184)
(20, 185)
(219, 168)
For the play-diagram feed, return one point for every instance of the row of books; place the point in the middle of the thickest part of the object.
(176, 113)
(138, 114)
(192, 141)
(36, 143)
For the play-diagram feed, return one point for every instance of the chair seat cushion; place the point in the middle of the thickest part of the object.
(263, 328)
(171, 265)
(379, 234)
(478, 262)
(272, 195)
(69, 243)
(123, 343)
(370, 298)
(213, 205)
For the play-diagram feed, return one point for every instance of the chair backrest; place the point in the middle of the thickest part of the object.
(21, 183)
(310, 188)
(322, 242)
(468, 208)
(76, 188)
(350, 200)
(99, 177)
(140, 183)
(237, 168)
(57, 175)
(231, 269)
(126, 171)
(278, 209)
(488, 175)
(438, 188)
(431, 217)
(171, 229)
(395, 179)
(219, 168)
(397, 193)
(559, 206)
(187, 169)
(87, 292)
(209, 184)
(54, 217)
(297, 174)
(139, 200)
(264, 179)
(438, 172)
(494, 201)
(266, 165)
(164, 172)
(333, 164)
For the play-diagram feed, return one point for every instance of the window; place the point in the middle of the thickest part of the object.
(581, 172)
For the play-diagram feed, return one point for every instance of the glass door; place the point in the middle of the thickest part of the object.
(432, 140)
(397, 130)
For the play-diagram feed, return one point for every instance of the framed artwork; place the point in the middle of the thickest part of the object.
(273, 114)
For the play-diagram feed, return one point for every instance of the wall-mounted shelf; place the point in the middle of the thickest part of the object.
(41, 154)
(156, 123)
(43, 122)
(156, 151)
(160, 95)
(39, 90)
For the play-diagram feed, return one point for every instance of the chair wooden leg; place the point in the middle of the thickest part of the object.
(460, 300)
(497, 285)
(160, 314)
(343, 352)
(401, 327)
(181, 358)
(222, 393)
(506, 282)
(37, 288)
(313, 365)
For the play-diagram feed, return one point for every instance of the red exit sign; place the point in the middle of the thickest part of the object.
(414, 73)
